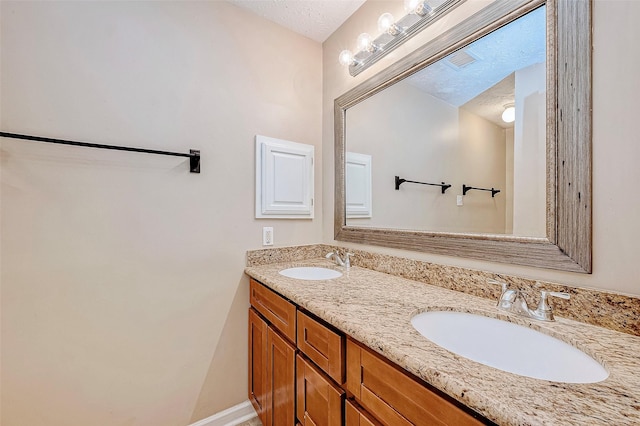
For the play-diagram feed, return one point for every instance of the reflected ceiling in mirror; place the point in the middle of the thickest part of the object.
(444, 125)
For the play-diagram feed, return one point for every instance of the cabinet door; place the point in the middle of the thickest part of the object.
(396, 398)
(258, 364)
(319, 401)
(355, 416)
(281, 371)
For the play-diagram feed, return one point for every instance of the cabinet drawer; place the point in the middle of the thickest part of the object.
(322, 345)
(318, 399)
(394, 397)
(275, 308)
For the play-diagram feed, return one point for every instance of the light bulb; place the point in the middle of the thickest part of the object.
(385, 22)
(345, 58)
(423, 9)
(509, 114)
(364, 42)
(411, 5)
(418, 7)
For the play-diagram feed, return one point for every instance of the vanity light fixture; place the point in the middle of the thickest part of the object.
(393, 33)
(509, 113)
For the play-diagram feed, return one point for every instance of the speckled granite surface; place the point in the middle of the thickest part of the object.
(615, 311)
(376, 308)
(285, 254)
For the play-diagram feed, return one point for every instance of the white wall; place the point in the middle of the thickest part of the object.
(616, 88)
(123, 294)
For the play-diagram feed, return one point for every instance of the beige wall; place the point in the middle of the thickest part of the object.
(123, 297)
(509, 180)
(616, 64)
(123, 294)
(419, 137)
(530, 153)
(481, 163)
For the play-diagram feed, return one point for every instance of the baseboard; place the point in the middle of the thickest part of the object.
(235, 415)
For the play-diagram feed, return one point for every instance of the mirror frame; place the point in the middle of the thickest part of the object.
(568, 243)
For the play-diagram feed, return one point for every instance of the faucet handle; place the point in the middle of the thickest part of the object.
(504, 285)
(543, 298)
(347, 256)
(544, 309)
(507, 296)
(336, 257)
(561, 295)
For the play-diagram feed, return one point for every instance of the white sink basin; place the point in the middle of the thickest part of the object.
(508, 347)
(311, 273)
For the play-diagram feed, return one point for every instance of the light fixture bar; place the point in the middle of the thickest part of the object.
(408, 26)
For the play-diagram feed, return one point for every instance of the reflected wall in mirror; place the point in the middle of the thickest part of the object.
(445, 124)
(436, 117)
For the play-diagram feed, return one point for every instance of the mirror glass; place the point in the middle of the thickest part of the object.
(448, 127)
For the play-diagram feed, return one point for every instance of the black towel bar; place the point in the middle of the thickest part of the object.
(466, 188)
(400, 181)
(194, 155)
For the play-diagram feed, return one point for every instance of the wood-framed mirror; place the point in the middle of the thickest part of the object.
(565, 240)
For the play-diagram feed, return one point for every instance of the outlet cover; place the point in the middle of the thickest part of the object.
(267, 236)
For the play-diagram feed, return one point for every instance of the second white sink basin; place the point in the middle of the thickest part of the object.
(311, 273)
(508, 347)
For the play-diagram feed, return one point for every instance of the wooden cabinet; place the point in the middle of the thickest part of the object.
(272, 352)
(396, 398)
(271, 373)
(318, 399)
(300, 367)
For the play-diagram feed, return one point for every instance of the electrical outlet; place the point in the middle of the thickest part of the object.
(267, 236)
(459, 200)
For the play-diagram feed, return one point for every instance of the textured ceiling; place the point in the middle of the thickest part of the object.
(490, 103)
(515, 46)
(316, 19)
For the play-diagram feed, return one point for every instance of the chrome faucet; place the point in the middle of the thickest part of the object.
(346, 262)
(513, 301)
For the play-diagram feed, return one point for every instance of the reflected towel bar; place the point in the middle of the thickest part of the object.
(443, 186)
(466, 188)
(194, 155)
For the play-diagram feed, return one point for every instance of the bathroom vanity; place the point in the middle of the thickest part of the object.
(327, 366)
(343, 351)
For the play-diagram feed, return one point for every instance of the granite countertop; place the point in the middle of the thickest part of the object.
(376, 309)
